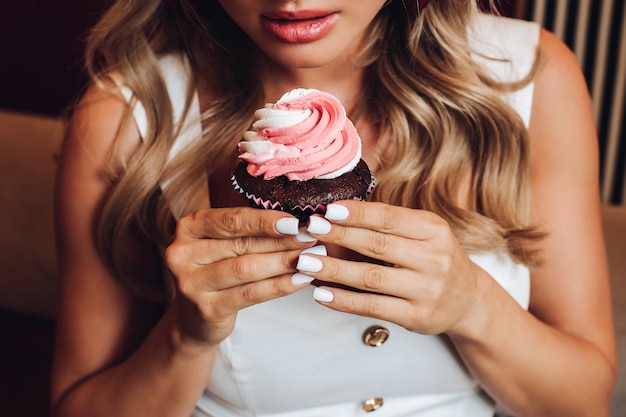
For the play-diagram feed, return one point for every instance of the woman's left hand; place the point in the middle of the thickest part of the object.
(428, 284)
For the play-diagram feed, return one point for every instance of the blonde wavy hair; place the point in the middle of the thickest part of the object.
(424, 91)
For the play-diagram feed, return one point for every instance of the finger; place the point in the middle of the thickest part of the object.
(241, 270)
(394, 249)
(383, 307)
(206, 251)
(236, 222)
(365, 276)
(385, 218)
(234, 299)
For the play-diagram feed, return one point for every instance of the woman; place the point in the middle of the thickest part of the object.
(176, 301)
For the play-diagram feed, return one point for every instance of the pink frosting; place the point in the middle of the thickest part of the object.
(304, 135)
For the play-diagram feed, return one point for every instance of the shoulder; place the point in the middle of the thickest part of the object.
(95, 132)
(108, 120)
(564, 154)
(562, 105)
(97, 125)
(559, 66)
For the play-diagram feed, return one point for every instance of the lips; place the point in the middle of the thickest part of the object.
(299, 26)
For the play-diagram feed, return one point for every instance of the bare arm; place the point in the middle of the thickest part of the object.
(100, 325)
(119, 355)
(563, 362)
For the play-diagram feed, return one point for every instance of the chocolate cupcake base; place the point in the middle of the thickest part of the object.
(303, 198)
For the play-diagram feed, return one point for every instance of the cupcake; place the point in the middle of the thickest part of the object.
(302, 154)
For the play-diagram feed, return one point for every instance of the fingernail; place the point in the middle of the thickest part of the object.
(287, 226)
(316, 250)
(308, 264)
(320, 294)
(303, 237)
(336, 212)
(300, 279)
(318, 225)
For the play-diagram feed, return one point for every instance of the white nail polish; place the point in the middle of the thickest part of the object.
(308, 264)
(325, 296)
(287, 226)
(336, 212)
(300, 279)
(316, 250)
(304, 237)
(318, 225)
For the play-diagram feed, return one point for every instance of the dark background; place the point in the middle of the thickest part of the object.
(40, 52)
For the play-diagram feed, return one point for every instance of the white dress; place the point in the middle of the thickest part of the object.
(293, 357)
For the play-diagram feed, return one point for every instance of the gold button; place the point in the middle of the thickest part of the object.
(375, 336)
(372, 404)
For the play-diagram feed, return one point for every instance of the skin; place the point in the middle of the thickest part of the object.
(112, 345)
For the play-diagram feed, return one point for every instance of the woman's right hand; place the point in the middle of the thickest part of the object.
(227, 259)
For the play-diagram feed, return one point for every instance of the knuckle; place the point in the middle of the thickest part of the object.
(250, 293)
(241, 245)
(170, 256)
(230, 221)
(183, 225)
(277, 288)
(185, 286)
(173, 256)
(442, 262)
(372, 307)
(373, 279)
(390, 218)
(439, 222)
(379, 243)
(241, 267)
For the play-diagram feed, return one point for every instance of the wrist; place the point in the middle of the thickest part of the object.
(180, 339)
(486, 304)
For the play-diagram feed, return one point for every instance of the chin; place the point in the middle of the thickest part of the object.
(295, 64)
(304, 57)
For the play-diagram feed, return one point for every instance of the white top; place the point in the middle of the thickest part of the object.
(293, 357)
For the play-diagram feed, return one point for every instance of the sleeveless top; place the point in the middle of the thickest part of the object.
(293, 357)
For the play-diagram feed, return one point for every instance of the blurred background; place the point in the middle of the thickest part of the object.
(40, 76)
